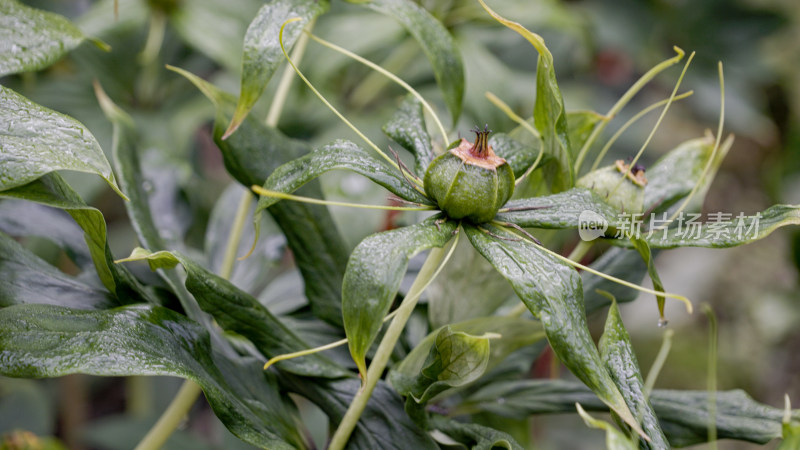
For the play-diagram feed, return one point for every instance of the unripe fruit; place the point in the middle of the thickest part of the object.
(470, 181)
(627, 195)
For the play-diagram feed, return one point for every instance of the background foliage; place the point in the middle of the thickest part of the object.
(599, 48)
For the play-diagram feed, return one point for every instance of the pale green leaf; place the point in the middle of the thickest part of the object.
(32, 39)
(36, 141)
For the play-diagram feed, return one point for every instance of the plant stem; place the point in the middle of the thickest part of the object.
(235, 236)
(287, 77)
(378, 364)
(172, 417)
(189, 391)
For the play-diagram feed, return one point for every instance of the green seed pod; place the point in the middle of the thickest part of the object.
(625, 194)
(470, 181)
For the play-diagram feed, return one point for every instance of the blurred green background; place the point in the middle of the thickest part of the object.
(600, 49)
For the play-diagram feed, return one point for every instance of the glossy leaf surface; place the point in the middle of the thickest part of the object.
(373, 276)
(29, 279)
(407, 128)
(562, 210)
(237, 311)
(336, 155)
(552, 292)
(250, 156)
(455, 359)
(618, 355)
(32, 39)
(683, 414)
(52, 190)
(475, 436)
(262, 50)
(37, 140)
(48, 341)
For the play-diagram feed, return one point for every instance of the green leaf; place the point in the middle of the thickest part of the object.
(36, 141)
(468, 287)
(562, 210)
(552, 292)
(49, 341)
(125, 151)
(384, 423)
(454, 359)
(549, 115)
(262, 50)
(20, 218)
(407, 128)
(683, 414)
(615, 439)
(618, 355)
(436, 43)
(580, 125)
(674, 175)
(517, 154)
(728, 231)
(237, 311)
(339, 154)
(475, 436)
(647, 256)
(514, 333)
(29, 279)
(250, 156)
(52, 190)
(32, 39)
(373, 277)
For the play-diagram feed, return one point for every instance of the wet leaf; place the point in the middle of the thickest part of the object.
(729, 231)
(683, 414)
(373, 276)
(262, 50)
(250, 156)
(51, 190)
(29, 279)
(618, 355)
(518, 155)
(237, 311)
(552, 292)
(649, 259)
(514, 333)
(407, 128)
(562, 210)
(39, 341)
(674, 175)
(32, 39)
(549, 115)
(336, 155)
(455, 359)
(37, 141)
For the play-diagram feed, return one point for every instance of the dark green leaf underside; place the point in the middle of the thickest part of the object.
(49, 341)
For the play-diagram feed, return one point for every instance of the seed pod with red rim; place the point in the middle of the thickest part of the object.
(470, 181)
